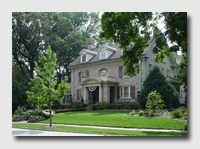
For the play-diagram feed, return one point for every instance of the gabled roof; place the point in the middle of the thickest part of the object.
(116, 54)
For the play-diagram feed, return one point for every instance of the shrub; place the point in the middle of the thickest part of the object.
(112, 106)
(103, 105)
(77, 104)
(177, 113)
(118, 106)
(46, 113)
(132, 112)
(141, 113)
(20, 110)
(154, 101)
(94, 107)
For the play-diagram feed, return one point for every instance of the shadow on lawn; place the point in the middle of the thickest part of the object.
(98, 113)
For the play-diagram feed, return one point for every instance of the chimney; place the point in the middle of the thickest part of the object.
(91, 45)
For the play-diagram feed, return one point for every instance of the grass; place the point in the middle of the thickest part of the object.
(96, 130)
(115, 118)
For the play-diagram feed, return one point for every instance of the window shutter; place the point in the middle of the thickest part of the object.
(133, 91)
(77, 94)
(120, 71)
(117, 92)
(79, 76)
(87, 74)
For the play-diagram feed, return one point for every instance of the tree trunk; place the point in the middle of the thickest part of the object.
(50, 114)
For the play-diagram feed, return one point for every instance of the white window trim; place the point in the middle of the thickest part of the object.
(122, 88)
(82, 75)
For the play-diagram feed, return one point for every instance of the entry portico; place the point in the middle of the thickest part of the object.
(104, 85)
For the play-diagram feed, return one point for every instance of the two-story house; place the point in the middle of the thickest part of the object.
(98, 74)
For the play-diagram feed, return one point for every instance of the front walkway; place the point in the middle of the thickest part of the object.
(106, 127)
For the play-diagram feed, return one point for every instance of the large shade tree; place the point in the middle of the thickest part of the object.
(132, 30)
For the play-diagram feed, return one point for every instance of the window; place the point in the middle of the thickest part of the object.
(167, 72)
(126, 92)
(84, 58)
(103, 54)
(84, 74)
(103, 73)
(67, 97)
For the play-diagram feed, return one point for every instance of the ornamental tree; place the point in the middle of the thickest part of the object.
(43, 90)
(154, 101)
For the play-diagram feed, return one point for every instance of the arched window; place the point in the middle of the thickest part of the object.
(103, 72)
(83, 57)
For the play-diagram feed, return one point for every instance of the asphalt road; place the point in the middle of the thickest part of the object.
(29, 132)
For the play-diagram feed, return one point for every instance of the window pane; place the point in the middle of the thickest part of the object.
(84, 74)
(83, 58)
(126, 91)
(103, 54)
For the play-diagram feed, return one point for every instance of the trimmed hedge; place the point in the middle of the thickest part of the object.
(69, 110)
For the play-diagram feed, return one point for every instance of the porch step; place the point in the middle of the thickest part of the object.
(89, 107)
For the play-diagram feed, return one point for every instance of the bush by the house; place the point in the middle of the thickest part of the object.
(103, 105)
(94, 107)
(77, 104)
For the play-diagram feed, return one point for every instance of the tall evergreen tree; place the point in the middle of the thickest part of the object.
(156, 81)
(43, 89)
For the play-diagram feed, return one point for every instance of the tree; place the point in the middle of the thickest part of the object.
(156, 81)
(154, 101)
(20, 84)
(132, 31)
(43, 85)
(28, 34)
(66, 42)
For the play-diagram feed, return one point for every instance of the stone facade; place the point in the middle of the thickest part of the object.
(112, 87)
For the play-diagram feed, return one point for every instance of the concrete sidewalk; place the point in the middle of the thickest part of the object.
(108, 127)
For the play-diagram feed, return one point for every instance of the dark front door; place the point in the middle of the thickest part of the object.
(95, 95)
(112, 94)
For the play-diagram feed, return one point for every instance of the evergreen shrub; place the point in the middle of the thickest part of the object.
(156, 81)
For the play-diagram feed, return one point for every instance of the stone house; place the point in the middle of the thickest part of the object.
(98, 74)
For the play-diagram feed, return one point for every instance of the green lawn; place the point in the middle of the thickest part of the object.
(96, 130)
(115, 118)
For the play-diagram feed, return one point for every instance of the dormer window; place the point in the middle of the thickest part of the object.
(86, 55)
(83, 57)
(105, 51)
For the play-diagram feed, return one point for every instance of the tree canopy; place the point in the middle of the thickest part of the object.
(132, 31)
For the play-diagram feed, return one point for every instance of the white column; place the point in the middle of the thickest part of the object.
(85, 95)
(100, 93)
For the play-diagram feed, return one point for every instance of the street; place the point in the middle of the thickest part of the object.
(29, 132)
